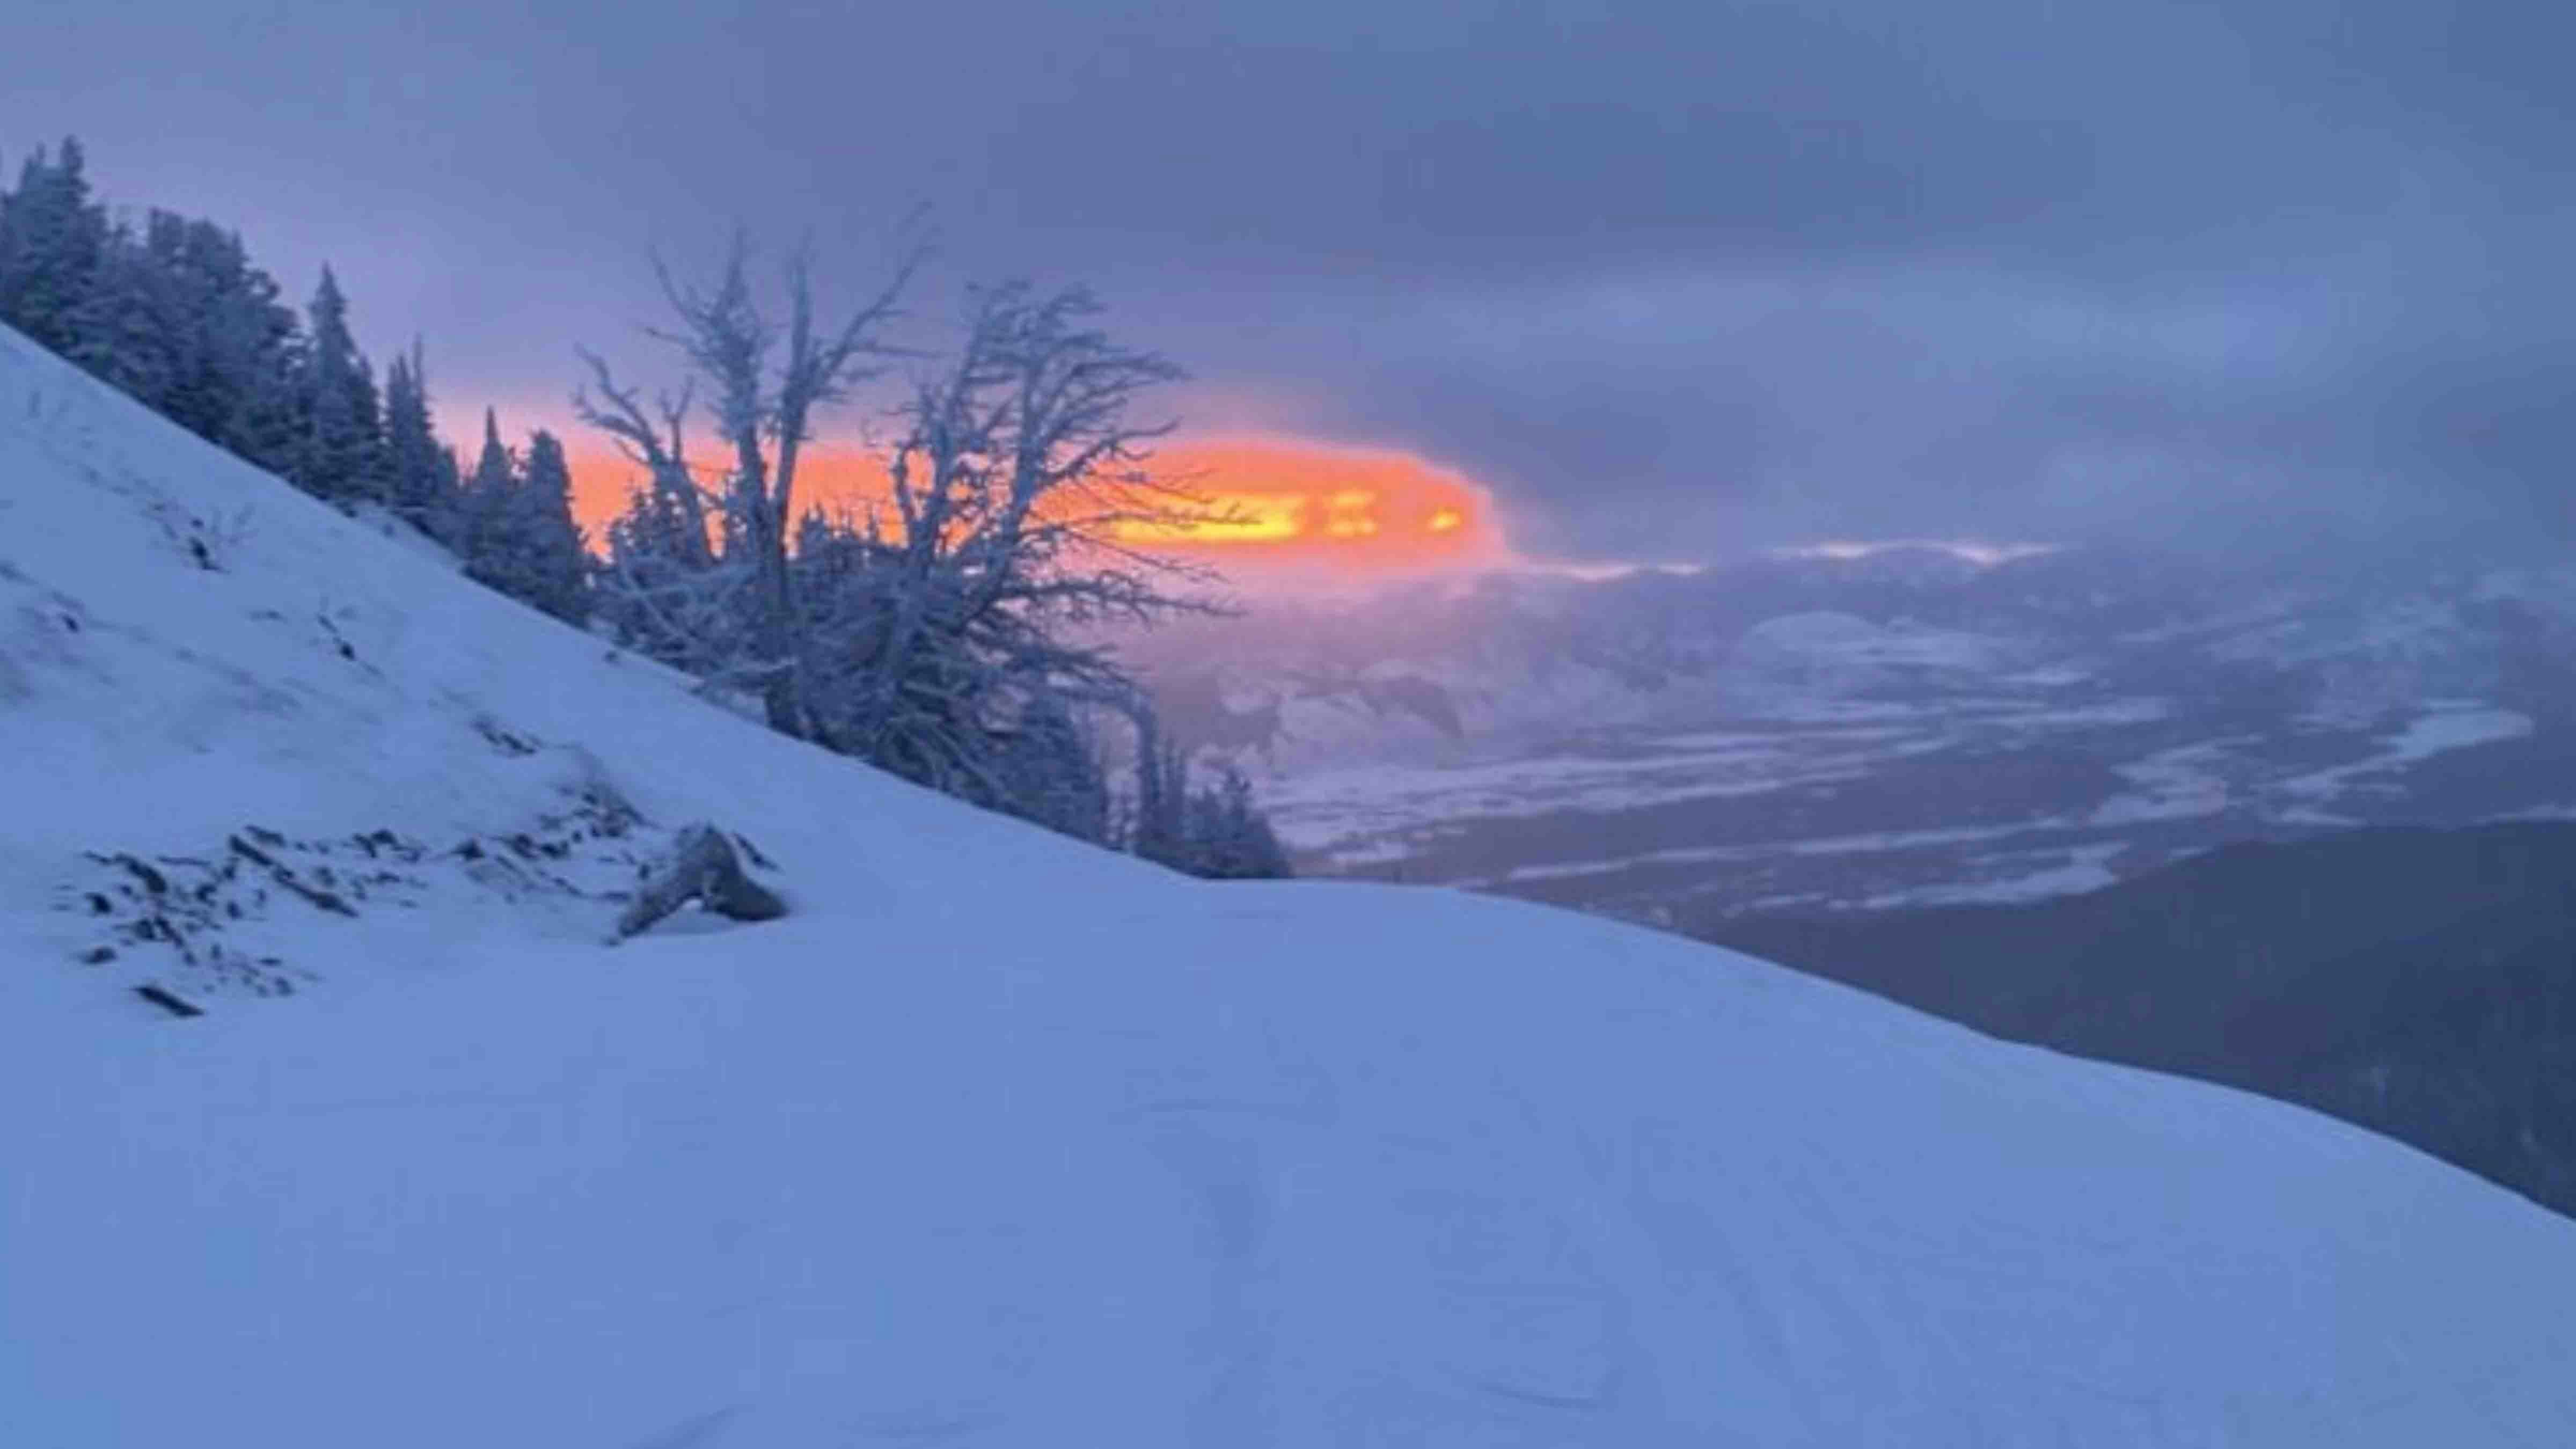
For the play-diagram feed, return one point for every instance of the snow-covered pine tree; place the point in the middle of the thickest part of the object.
(1160, 828)
(1050, 771)
(52, 239)
(426, 488)
(129, 328)
(490, 497)
(175, 315)
(343, 456)
(553, 566)
(237, 386)
(1230, 839)
(515, 528)
(1216, 832)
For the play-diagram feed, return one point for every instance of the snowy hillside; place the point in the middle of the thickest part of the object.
(1000, 1141)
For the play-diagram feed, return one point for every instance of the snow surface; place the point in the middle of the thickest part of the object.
(2181, 783)
(1873, 841)
(2448, 724)
(1001, 1141)
(1829, 642)
(2019, 876)
(1328, 808)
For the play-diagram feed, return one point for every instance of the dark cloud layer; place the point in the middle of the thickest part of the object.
(1677, 278)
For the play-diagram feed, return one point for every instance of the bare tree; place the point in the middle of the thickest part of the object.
(618, 413)
(1019, 464)
(765, 382)
(665, 589)
(947, 631)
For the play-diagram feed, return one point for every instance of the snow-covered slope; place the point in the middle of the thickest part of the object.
(999, 1141)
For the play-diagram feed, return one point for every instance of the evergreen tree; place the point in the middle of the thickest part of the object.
(176, 316)
(1216, 832)
(489, 500)
(344, 456)
(238, 377)
(552, 565)
(425, 487)
(1230, 839)
(52, 240)
(519, 537)
(1047, 770)
(129, 326)
(1160, 831)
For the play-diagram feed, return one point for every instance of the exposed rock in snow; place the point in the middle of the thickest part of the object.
(703, 867)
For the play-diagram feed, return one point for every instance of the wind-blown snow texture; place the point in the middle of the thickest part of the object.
(1001, 1141)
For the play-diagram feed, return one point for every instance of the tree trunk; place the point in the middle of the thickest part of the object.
(776, 641)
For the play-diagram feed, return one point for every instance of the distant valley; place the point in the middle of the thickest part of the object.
(1902, 729)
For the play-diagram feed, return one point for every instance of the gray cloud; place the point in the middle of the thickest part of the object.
(1676, 278)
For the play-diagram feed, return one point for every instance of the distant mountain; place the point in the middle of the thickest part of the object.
(1904, 727)
(2421, 983)
(1510, 649)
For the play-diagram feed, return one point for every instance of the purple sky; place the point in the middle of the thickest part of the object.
(1675, 279)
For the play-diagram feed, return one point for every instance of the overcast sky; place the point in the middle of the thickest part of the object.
(1675, 279)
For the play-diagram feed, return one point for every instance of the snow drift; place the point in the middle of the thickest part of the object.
(997, 1140)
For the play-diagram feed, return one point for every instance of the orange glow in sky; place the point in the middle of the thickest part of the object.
(1283, 503)
(1274, 504)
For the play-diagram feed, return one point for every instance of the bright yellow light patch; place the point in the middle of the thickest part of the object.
(1233, 518)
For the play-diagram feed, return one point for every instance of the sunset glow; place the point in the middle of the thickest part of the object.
(1269, 505)
(1281, 503)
